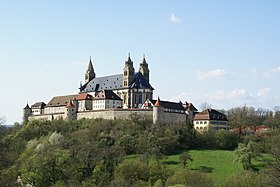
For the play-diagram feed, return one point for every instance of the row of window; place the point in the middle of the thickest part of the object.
(212, 122)
(201, 122)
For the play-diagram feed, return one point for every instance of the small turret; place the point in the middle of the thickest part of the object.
(70, 111)
(90, 74)
(158, 111)
(128, 72)
(26, 113)
(144, 69)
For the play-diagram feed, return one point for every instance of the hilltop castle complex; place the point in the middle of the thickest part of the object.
(112, 97)
(118, 97)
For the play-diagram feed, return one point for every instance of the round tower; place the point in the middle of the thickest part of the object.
(26, 113)
(144, 69)
(128, 72)
(70, 111)
(158, 113)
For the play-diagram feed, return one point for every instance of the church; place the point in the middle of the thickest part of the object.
(132, 87)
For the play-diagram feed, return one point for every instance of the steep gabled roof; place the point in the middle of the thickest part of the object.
(112, 82)
(210, 114)
(84, 96)
(140, 81)
(169, 105)
(60, 100)
(106, 94)
(39, 105)
(70, 104)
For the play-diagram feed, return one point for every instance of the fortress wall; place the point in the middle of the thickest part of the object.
(169, 117)
(115, 114)
(46, 116)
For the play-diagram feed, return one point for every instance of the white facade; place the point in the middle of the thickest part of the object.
(101, 104)
(206, 125)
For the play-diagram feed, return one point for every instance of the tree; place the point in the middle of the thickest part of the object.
(273, 171)
(226, 140)
(2, 120)
(239, 117)
(205, 105)
(245, 153)
(246, 179)
(185, 158)
(189, 178)
(132, 171)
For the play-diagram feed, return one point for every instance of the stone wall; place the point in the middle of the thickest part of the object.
(171, 117)
(116, 113)
(47, 116)
(165, 117)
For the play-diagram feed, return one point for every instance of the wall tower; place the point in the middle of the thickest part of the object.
(70, 111)
(26, 113)
(158, 113)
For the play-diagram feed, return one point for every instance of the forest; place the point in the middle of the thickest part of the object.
(135, 152)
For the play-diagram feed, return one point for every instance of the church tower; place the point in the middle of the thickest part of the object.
(128, 72)
(144, 69)
(90, 74)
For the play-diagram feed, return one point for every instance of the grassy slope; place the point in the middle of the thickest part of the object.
(218, 164)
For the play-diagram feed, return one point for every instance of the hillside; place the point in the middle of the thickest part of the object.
(103, 153)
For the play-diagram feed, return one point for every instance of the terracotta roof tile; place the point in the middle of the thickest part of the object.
(69, 104)
(84, 96)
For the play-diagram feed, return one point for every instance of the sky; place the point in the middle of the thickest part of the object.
(223, 52)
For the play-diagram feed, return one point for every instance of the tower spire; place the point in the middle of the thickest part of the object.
(90, 74)
(144, 69)
(144, 60)
(129, 59)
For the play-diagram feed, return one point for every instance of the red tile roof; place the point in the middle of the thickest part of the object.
(210, 114)
(70, 105)
(84, 96)
(157, 102)
(106, 94)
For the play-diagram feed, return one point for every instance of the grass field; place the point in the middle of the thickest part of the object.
(218, 164)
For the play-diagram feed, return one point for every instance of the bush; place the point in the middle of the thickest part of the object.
(189, 178)
(245, 179)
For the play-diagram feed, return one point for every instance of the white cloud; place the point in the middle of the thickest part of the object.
(263, 93)
(254, 71)
(216, 73)
(272, 72)
(238, 93)
(226, 99)
(173, 18)
(218, 95)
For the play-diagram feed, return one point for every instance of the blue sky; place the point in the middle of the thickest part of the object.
(225, 53)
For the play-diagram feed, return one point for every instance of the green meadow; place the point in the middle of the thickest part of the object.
(218, 164)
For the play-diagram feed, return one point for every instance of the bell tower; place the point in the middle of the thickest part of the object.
(128, 72)
(144, 69)
(90, 74)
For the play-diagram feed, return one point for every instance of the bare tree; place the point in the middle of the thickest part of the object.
(240, 117)
(205, 105)
(2, 120)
